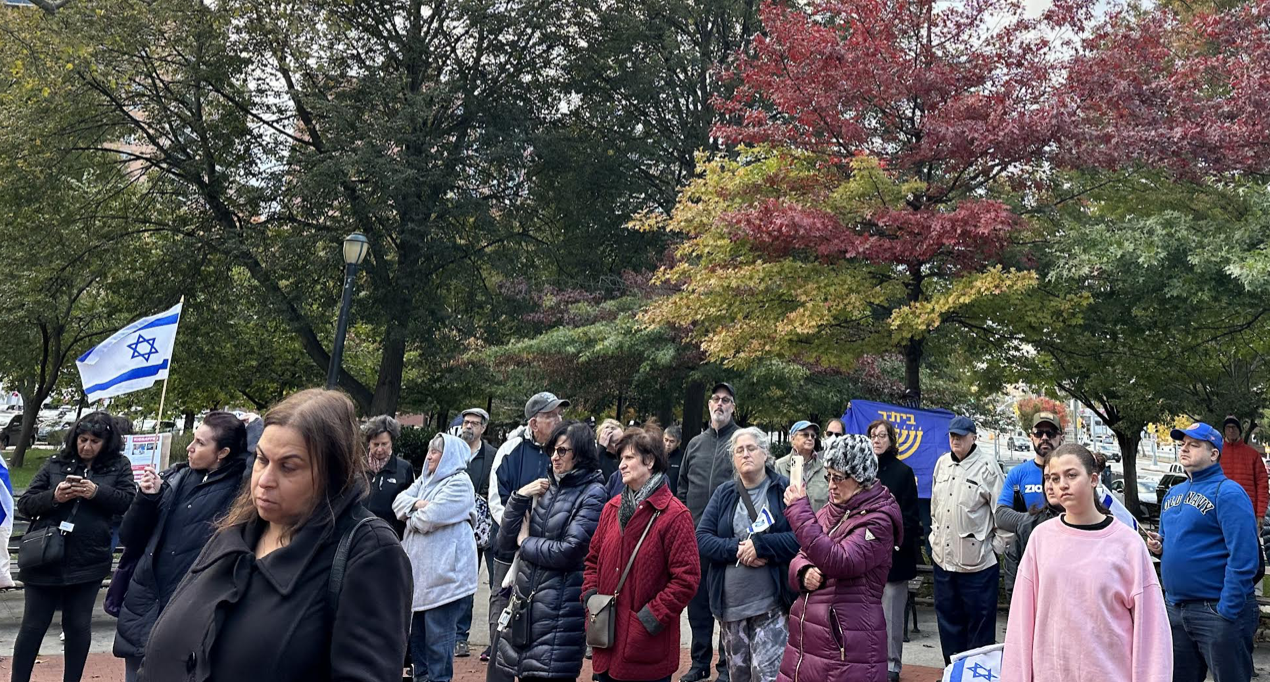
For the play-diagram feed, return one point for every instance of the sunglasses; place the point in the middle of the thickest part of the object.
(835, 478)
(563, 452)
(1045, 433)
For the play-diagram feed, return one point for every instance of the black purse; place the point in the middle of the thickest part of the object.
(520, 629)
(43, 547)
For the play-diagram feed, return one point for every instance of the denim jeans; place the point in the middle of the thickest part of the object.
(432, 641)
(465, 617)
(1204, 642)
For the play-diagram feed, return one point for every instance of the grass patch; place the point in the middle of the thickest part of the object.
(21, 478)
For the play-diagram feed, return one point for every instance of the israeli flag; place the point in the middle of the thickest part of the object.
(1118, 511)
(982, 664)
(132, 359)
(6, 496)
(762, 523)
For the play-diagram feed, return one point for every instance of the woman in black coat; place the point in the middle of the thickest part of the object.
(388, 473)
(898, 478)
(268, 599)
(172, 518)
(80, 489)
(552, 554)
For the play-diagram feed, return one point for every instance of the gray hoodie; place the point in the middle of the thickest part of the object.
(439, 537)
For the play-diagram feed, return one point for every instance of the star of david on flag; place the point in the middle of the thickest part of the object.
(133, 358)
(978, 664)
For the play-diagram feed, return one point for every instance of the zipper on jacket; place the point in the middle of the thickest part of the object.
(836, 629)
(802, 635)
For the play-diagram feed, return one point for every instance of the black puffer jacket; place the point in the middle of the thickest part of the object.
(551, 562)
(898, 478)
(87, 554)
(385, 485)
(172, 525)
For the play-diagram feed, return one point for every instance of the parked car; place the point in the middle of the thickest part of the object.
(1148, 497)
(1176, 475)
(13, 431)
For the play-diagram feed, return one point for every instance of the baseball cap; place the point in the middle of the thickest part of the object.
(543, 402)
(478, 412)
(801, 425)
(962, 425)
(1046, 418)
(1199, 431)
(1232, 419)
(726, 386)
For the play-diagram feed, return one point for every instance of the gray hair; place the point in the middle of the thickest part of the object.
(381, 424)
(760, 439)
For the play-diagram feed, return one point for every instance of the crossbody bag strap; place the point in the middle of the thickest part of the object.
(626, 572)
(749, 504)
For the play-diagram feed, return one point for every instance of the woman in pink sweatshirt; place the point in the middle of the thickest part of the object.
(1087, 606)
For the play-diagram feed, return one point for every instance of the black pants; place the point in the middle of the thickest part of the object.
(76, 603)
(701, 620)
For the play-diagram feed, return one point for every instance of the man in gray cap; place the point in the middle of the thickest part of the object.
(707, 464)
(520, 461)
(963, 537)
(479, 467)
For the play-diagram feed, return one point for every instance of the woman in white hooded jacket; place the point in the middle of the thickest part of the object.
(440, 511)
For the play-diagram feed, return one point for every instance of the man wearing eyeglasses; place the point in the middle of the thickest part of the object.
(963, 540)
(1024, 488)
(707, 464)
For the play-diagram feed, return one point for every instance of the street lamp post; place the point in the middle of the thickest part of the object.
(355, 248)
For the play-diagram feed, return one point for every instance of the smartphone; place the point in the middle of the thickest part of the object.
(74, 480)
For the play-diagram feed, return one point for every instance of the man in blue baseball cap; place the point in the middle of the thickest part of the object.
(802, 442)
(1209, 560)
(964, 539)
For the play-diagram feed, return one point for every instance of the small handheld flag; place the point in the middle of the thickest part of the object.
(133, 358)
(762, 523)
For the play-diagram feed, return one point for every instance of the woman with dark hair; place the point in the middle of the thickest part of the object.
(389, 474)
(169, 522)
(546, 638)
(664, 573)
(291, 586)
(1112, 628)
(79, 490)
(898, 478)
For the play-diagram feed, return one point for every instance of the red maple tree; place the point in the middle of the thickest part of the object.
(972, 107)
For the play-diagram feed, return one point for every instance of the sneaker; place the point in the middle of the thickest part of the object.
(485, 655)
(461, 649)
(696, 676)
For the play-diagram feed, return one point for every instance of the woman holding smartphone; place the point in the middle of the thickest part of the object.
(78, 491)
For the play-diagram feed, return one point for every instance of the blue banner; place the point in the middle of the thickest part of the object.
(921, 435)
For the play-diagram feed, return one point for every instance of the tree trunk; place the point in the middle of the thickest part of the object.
(29, 415)
(914, 350)
(189, 422)
(391, 364)
(694, 409)
(621, 407)
(1129, 437)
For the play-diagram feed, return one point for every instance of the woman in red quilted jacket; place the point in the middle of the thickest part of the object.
(664, 576)
(837, 631)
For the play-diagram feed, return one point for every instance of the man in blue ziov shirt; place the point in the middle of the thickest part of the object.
(1024, 487)
(1208, 561)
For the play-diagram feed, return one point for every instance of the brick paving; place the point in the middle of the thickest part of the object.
(108, 668)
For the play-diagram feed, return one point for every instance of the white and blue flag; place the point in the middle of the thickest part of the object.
(133, 358)
(6, 496)
(976, 665)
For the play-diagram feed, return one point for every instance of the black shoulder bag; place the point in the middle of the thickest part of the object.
(44, 547)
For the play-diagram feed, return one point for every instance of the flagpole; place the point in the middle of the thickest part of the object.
(163, 395)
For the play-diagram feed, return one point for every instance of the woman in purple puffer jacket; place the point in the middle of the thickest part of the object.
(837, 632)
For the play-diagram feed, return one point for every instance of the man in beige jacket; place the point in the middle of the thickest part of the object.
(963, 540)
(802, 438)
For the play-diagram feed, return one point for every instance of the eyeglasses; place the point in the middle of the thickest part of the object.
(563, 452)
(835, 479)
(721, 400)
(1045, 433)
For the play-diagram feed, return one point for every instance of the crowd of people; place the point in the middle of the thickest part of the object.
(317, 552)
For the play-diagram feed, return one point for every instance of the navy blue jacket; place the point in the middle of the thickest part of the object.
(172, 525)
(551, 563)
(525, 464)
(718, 546)
(1210, 542)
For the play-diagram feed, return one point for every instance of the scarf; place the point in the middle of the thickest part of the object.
(631, 499)
(377, 465)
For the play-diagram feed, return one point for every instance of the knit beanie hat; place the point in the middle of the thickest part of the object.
(853, 455)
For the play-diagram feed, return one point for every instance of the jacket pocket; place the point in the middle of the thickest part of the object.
(641, 647)
(969, 548)
(835, 628)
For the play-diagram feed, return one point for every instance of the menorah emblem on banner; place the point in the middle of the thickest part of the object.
(907, 433)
